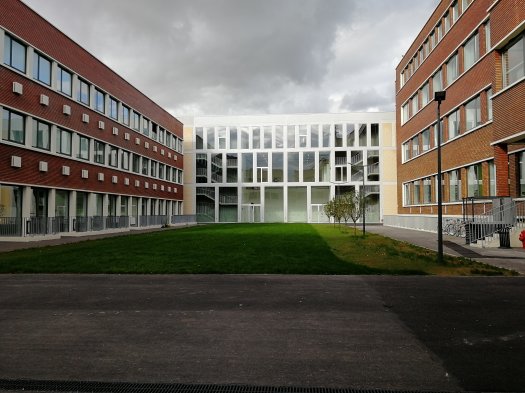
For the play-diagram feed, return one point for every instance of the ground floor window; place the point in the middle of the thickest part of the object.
(474, 180)
(522, 174)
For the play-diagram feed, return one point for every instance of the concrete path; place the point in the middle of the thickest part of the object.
(513, 258)
(413, 333)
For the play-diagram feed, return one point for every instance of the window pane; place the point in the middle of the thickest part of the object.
(473, 113)
(99, 101)
(471, 52)
(41, 132)
(514, 60)
(314, 135)
(83, 151)
(18, 56)
(41, 68)
(453, 125)
(452, 69)
(113, 108)
(293, 167)
(308, 166)
(64, 81)
(350, 135)
(437, 81)
(83, 92)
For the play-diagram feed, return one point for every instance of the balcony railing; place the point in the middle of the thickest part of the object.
(41, 226)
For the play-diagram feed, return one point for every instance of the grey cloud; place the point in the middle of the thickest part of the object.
(238, 56)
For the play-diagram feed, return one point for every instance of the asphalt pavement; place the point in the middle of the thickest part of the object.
(360, 332)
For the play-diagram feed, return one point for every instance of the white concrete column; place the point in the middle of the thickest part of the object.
(2, 34)
(92, 204)
(105, 205)
(29, 61)
(28, 129)
(72, 209)
(51, 200)
(27, 193)
(75, 86)
(53, 138)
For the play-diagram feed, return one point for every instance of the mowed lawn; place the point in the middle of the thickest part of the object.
(242, 249)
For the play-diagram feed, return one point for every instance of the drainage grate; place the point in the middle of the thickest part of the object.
(128, 387)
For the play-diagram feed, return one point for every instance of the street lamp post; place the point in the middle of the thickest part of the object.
(439, 96)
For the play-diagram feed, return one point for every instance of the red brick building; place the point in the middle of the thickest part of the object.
(474, 51)
(80, 149)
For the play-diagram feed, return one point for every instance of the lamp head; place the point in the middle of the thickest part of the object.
(440, 96)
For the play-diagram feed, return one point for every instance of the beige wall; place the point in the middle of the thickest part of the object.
(389, 199)
(189, 171)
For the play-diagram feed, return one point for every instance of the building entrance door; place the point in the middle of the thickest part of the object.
(251, 213)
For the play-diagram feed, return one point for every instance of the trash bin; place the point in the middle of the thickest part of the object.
(504, 237)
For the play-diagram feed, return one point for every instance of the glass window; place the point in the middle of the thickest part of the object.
(415, 146)
(454, 181)
(425, 94)
(233, 137)
(279, 137)
(363, 135)
(492, 178)
(522, 174)
(245, 138)
(199, 138)
(465, 4)
(350, 135)
(145, 165)
(432, 40)
(210, 138)
(113, 156)
(314, 135)
(145, 126)
(83, 92)
(247, 167)
(14, 53)
(100, 101)
(64, 81)
(488, 45)
(446, 21)
(303, 136)
(124, 159)
(262, 167)
(514, 61)
(324, 166)
(475, 180)
(99, 152)
(437, 81)
(452, 69)
(427, 190)
(64, 141)
(404, 113)
(155, 132)
(135, 163)
(113, 108)
(297, 204)
(125, 115)
(439, 32)
(136, 121)
(471, 52)
(338, 135)
(267, 137)
(453, 124)
(256, 137)
(326, 135)
(455, 12)
(308, 166)
(406, 151)
(277, 167)
(153, 168)
(293, 167)
(13, 127)
(291, 137)
(274, 204)
(41, 135)
(161, 171)
(406, 194)
(415, 104)
(83, 147)
(473, 113)
(374, 134)
(417, 193)
(489, 104)
(441, 133)
(425, 136)
(41, 68)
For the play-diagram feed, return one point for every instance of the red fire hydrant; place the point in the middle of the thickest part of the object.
(522, 238)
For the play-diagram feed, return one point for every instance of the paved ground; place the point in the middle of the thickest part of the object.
(426, 333)
(513, 258)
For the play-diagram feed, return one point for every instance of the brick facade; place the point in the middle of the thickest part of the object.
(492, 142)
(156, 141)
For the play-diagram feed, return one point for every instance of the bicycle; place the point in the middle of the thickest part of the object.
(455, 227)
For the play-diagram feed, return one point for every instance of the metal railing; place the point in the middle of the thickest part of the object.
(499, 219)
(41, 226)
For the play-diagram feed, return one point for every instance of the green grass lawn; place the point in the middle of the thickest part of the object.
(241, 248)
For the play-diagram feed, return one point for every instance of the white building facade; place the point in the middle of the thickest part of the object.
(285, 168)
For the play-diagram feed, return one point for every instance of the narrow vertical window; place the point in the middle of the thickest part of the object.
(83, 92)
(41, 68)
(64, 81)
(14, 53)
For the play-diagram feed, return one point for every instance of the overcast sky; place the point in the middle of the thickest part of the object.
(234, 57)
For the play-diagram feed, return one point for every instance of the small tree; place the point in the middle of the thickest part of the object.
(329, 209)
(353, 207)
